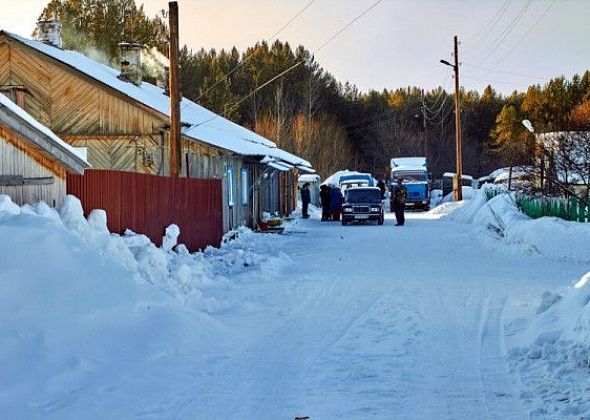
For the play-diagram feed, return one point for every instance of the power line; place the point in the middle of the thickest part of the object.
(492, 22)
(268, 82)
(500, 82)
(508, 29)
(284, 72)
(436, 113)
(444, 118)
(494, 70)
(526, 33)
(249, 56)
(406, 107)
(375, 117)
(345, 27)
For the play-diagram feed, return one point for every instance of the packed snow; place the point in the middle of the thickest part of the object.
(471, 310)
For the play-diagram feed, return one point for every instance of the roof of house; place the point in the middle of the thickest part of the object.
(201, 124)
(37, 135)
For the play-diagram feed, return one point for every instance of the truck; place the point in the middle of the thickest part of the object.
(414, 175)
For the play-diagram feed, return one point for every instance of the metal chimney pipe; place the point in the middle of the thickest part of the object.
(131, 62)
(49, 32)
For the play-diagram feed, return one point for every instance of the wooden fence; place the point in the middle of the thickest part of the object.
(148, 204)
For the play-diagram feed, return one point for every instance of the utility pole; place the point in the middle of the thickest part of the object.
(458, 158)
(175, 143)
(424, 129)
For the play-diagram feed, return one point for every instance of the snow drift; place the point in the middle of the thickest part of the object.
(515, 232)
(90, 321)
(550, 352)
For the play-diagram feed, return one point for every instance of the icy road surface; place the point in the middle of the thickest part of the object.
(373, 322)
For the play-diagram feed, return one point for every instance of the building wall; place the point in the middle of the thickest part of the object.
(16, 158)
(119, 133)
(269, 188)
(242, 212)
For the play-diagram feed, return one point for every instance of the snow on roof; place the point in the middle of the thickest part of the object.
(452, 174)
(408, 168)
(408, 161)
(308, 178)
(516, 173)
(76, 155)
(205, 126)
(334, 179)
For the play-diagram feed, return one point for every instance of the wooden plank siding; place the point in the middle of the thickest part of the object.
(118, 132)
(17, 158)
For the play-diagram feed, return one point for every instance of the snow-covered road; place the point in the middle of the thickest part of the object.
(326, 321)
(375, 322)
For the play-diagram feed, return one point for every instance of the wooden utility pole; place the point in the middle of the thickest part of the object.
(175, 144)
(424, 140)
(458, 159)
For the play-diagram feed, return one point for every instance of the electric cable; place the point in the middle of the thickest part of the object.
(249, 56)
(284, 72)
(526, 33)
(507, 30)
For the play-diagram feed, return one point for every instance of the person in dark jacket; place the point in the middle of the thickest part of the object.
(336, 200)
(400, 195)
(305, 200)
(325, 202)
(381, 185)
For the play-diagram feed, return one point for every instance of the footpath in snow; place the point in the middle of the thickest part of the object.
(458, 316)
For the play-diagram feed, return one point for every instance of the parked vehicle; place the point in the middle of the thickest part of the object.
(360, 178)
(353, 183)
(449, 179)
(362, 204)
(314, 186)
(414, 175)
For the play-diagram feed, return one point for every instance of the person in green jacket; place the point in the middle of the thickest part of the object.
(400, 195)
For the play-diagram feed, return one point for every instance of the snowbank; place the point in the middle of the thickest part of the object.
(501, 219)
(552, 355)
(468, 194)
(91, 321)
(550, 352)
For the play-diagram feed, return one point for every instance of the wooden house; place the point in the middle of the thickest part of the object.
(33, 160)
(124, 124)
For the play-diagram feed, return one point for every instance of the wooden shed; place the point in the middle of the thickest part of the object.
(124, 124)
(34, 162)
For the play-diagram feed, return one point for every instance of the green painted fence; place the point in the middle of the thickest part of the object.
(570, 209)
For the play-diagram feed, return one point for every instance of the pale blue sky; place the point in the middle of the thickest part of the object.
(397, 43)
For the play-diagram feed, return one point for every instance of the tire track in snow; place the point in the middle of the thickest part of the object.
(500, 396)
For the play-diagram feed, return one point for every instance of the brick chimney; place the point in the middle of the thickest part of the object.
(130, 62)
(49, 32)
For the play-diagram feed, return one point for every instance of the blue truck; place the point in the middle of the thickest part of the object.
(414, 175)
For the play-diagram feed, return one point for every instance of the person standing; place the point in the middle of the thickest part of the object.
(400, 195)
(305, 200)
(325, 202)
(381, 185)
(336, 200)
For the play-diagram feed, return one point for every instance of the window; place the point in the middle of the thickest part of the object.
(230, 186)
(245, 187)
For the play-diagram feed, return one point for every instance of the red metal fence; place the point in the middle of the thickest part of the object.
(148, 204)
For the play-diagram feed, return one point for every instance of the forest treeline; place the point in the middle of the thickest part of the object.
(332, 124)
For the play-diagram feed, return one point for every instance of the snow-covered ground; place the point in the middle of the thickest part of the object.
(463, 313)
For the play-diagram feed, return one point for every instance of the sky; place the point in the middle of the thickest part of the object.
(510, 44)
